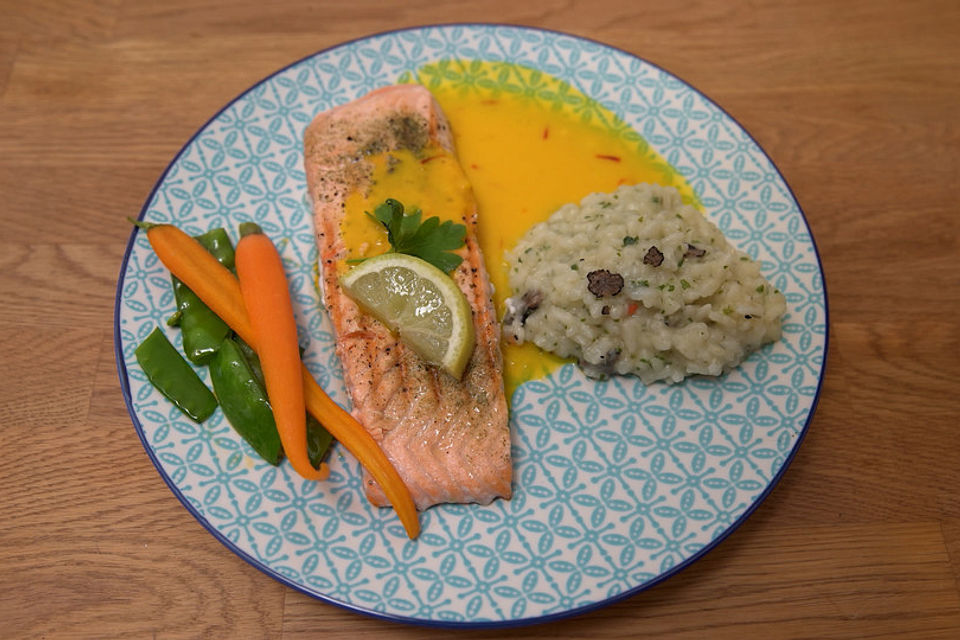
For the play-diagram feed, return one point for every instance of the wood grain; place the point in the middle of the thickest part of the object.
(856, 102)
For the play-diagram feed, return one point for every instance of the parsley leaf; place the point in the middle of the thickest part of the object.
(430, 240)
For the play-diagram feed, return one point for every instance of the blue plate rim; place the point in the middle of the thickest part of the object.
(492, 624)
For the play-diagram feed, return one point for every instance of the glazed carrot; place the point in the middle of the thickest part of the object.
(219, 289)
(202, 273)
(263, 284)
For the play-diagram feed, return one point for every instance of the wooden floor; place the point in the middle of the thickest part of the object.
(857, 102)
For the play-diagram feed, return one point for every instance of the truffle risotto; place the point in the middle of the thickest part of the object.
(636, 282)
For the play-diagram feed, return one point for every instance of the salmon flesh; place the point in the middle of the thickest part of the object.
(448, 439)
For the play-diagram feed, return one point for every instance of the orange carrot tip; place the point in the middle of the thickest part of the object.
(324, 471)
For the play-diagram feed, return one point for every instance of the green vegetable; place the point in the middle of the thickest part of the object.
(319, 439)
(629, 240)
(217, 242)
(244, 401)
(253, 360)
(249, 229)
(203, 330)
(430, 240)
(174, 377)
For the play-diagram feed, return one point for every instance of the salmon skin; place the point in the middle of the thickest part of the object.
(448, 439)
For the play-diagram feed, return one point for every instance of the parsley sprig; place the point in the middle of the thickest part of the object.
(430, 240)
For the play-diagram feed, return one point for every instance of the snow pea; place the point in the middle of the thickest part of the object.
(319, 439)
(203, 330)
(244, 401)
(217, 242)
(174, 377)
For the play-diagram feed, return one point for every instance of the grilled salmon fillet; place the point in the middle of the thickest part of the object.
(448, 439)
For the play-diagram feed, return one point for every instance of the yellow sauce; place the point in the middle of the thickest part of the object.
(524, 152)
(430, 179)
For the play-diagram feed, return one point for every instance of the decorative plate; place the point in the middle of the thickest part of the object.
(617, 485)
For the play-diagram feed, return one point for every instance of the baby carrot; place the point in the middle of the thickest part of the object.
(263, 285)
(193, 265)
(218, 288)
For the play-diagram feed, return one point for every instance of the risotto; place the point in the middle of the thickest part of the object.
(636, 282)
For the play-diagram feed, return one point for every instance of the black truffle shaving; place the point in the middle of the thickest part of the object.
(693, 252)
(603, 369)
(531, 302)
(603, 283)
(654, 257)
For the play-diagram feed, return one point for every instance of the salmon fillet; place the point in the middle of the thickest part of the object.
(448, 439)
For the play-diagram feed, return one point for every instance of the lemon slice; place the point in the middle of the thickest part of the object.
(419, 303)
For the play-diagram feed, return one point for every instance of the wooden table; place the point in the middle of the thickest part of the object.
(857, 102)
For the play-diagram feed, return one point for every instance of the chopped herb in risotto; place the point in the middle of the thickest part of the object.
(636, 282)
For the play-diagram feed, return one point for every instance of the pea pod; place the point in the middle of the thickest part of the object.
(203, 330)
(217, 242)
(319, 439)
(174, 377)
(244, 401)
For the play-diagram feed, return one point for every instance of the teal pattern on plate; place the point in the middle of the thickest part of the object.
(617, 484)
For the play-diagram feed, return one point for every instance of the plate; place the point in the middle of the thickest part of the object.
(617, 485)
